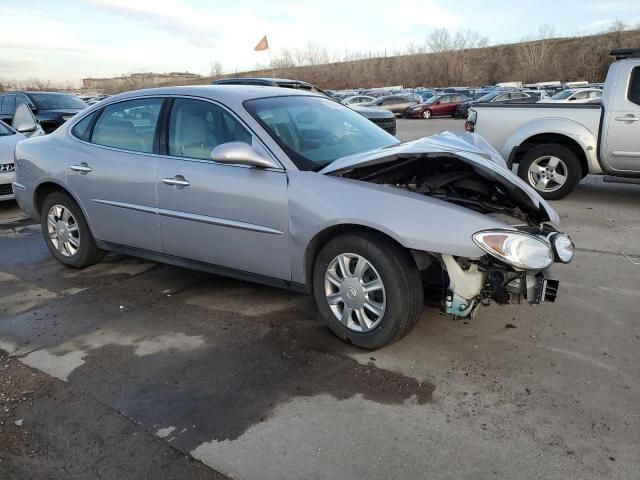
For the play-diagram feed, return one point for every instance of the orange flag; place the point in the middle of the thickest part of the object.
(262, 44)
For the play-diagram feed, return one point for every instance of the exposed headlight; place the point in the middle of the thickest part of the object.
(519, 249)
(563, 246)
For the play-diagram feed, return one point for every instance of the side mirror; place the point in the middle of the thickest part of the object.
(572, 99)
(240, 153)
(23, 120)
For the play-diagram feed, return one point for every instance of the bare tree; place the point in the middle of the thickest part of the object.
(533, 52)
(216, 69)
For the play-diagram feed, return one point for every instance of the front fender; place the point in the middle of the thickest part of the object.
(318, 202)
(577, 132)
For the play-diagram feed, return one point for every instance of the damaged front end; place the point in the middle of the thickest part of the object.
(479, 282)
(461, 169)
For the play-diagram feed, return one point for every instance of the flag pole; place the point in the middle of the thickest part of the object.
(273, 73)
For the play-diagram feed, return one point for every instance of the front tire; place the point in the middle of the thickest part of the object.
(552, 170)
(367, 289)
(426, 114)
(66, 232)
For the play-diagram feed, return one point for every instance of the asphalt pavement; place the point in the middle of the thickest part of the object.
(207, 376)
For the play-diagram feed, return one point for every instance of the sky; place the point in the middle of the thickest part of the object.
(67, 40)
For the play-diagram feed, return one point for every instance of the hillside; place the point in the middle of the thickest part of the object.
(565, 59)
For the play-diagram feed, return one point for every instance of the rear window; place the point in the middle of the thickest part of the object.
(56, 101)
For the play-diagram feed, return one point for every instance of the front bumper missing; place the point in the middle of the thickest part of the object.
(470, 288)
(541, 289)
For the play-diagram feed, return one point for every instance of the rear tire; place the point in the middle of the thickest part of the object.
(399, 301)
(66, 232)
(551, 169)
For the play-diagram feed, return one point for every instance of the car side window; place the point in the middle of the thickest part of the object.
(581, 95)
(81, 129)
(196, 127)
(129, 125)
(633, 93)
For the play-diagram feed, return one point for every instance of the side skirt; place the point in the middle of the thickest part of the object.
(201, 266)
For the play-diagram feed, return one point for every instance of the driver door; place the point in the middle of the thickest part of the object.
(231, 216)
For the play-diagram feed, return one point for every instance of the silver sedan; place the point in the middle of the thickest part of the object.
(291, 189)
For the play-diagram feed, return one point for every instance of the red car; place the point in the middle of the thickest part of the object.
(442, 104)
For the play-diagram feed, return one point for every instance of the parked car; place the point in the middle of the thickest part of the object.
(50, 108)
(378, 116)
(26, 126)
(574, 95)
(396, 104)
(555, 145)
(438, 105)
(357, 99)
(292, 189)
(497, 96)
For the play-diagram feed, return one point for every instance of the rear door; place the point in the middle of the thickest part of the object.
(112, 172)
(621, 132)
(231, 216)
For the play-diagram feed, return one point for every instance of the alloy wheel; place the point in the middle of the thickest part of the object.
(355, 292)
(547, 174)
(63, 230)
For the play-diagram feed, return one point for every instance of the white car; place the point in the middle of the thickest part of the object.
(25, 126)
(574, 95)
(8, 140)
(356, 99)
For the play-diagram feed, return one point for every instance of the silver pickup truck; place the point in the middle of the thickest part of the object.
(554, 146)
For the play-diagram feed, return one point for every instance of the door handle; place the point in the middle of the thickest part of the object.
(178, 181)
(628, 118)
(83, 168)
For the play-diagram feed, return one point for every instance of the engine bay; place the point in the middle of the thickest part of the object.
(449, 178)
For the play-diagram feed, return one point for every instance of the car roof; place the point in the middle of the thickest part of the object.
(231, 93)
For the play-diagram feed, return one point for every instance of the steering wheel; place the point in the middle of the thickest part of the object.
(330, 139)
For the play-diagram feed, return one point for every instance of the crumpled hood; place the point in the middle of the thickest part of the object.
(471, 147)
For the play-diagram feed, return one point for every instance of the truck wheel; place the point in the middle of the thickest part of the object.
(552, 170)
(367, 289)
(66, 232)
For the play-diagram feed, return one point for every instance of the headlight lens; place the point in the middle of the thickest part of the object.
(521, 250)
(563, 245)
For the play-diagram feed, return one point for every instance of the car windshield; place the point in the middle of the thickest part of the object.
(315, 131)
(56, 101)
(563, 95)
(487, 97)
(431, 100)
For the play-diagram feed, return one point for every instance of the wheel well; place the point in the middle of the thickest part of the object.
(42, 191)
(557, 138)
(325, 235)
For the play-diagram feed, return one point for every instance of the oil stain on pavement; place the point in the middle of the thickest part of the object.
(240, 369)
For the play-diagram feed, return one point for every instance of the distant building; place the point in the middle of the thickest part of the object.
(137, 79)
